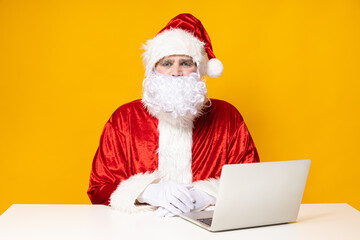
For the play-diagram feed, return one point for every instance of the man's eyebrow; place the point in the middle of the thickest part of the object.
(186, 60)
(166, 60)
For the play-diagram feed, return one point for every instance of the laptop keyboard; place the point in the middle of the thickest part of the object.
(206, 221)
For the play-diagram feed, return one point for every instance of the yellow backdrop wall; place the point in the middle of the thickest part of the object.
(291, 68)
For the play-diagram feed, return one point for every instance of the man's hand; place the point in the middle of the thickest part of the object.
(202, 201)
(162, 212)
(172, 196)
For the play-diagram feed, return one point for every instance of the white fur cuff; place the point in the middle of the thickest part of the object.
(124, 197)
(210, 186)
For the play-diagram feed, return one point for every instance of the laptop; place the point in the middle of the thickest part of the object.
(255, 194)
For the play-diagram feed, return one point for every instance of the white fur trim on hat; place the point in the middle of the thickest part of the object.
(174, 42)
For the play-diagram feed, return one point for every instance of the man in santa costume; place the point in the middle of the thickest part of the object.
(165, 152)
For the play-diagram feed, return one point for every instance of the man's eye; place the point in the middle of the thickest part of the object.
(166, 64)
(188, 64)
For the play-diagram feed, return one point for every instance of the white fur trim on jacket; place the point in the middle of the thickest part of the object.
(174, 42)
(175, 156)
(124, 197)
(210, 186)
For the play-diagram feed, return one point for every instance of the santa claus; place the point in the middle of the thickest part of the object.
(165, 152)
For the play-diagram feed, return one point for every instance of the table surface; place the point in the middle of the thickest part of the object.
(28, 221)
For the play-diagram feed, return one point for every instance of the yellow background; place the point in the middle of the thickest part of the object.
(291, 68)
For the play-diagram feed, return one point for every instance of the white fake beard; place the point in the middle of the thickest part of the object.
(175, 99)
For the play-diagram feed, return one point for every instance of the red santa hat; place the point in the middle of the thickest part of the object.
(183, 35)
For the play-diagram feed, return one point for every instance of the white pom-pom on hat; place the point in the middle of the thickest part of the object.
(214, 68)
(183, 35)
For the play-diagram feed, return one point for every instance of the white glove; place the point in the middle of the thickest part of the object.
(162, 212)
(174, 197)
(202, 199)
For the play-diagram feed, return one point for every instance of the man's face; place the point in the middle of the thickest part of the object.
(176, 65)
(175, 90)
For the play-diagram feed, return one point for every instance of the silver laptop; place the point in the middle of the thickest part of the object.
(255, 194)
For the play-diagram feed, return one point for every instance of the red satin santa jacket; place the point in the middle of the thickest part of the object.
(130, 140)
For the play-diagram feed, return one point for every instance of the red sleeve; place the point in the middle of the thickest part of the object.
(109, 165)
(241, 148)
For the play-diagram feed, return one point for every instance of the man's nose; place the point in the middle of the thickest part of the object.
(176, 71)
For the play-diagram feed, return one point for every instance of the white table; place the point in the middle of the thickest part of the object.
(22, 221)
